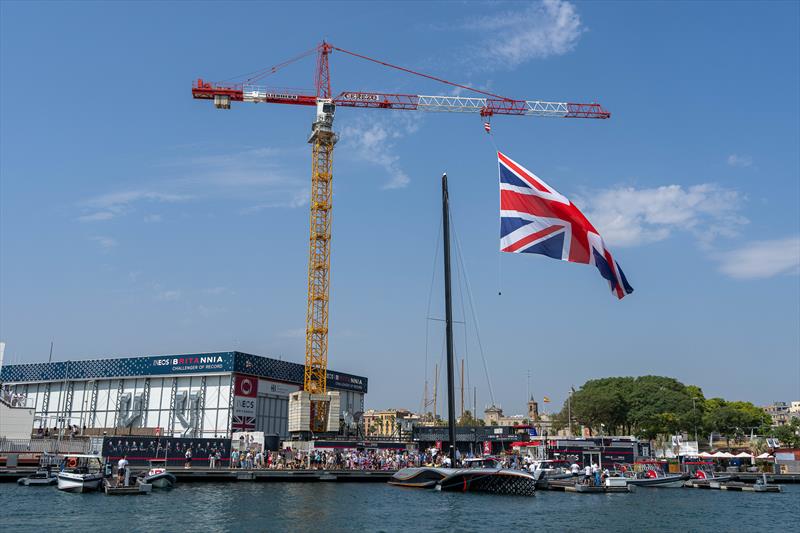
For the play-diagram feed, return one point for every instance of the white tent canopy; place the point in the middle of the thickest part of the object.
(744, 455)
(765, 455)
(722, 455)
(705, 454)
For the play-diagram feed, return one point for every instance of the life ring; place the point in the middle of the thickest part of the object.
(72, 462)
(651, 474)
(700, 474)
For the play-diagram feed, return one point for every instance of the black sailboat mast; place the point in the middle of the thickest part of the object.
(448, 301)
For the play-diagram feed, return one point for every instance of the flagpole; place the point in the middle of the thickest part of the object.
(448, 300)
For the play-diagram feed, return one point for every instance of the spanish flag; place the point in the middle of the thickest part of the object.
(545, 399)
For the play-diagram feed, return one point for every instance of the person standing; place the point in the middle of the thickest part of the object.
(188, 457)
(234, 458)
(122, 467)
(212, 459)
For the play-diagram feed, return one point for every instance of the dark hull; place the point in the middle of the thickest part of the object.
(420, 477)
(164, 480)
(38, 481)
(673, 481)
(492, 481)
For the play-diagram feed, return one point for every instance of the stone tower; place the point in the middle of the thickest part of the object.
(533, 410)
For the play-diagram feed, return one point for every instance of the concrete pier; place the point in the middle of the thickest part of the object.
(192, 475)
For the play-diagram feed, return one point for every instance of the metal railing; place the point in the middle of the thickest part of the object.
(69, 445)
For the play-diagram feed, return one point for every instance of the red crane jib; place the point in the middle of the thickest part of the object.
(494, 106)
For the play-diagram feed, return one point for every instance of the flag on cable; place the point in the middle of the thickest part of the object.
(488, 127)
(537, 219)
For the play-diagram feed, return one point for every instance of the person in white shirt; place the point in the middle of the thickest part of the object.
(122, 466)
(575, 469)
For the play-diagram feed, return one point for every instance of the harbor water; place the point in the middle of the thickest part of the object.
(380, 507)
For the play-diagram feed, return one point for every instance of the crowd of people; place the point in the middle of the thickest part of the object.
(289, 459)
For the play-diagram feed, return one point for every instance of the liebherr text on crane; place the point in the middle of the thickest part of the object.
(315, 409)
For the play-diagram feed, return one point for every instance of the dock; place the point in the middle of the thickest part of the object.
(195, 475)
(731, 485)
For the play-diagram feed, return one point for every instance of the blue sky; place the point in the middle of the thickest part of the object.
(137, 221)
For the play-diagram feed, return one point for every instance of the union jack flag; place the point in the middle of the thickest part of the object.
(537, 219)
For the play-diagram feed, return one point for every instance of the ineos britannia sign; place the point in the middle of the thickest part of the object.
(244, 402)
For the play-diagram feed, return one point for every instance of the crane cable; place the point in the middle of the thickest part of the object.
(256, 75)
(408, 70)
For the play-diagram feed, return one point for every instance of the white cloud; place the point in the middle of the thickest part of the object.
(298, 199)
(626, 216)
(169, 296)
(99, 215)
(762, 259)
(534, 31)
(208, 311)
(297, 333)
(249, 174)
(216, 291)
(112, 205)
(373, 141)
(736, 160)
(105, 242)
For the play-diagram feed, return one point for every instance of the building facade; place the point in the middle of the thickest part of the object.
(389, 422)
(780, 412)
(542, 422)
(195, 395)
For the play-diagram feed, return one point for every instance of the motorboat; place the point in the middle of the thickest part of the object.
(41, 478)
(652, 477)
(158, 476)
(112, 487)
(708, 475)
(548, 469)
(81, 473)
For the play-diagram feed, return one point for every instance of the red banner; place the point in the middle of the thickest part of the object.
(246, 386)
(487, 447)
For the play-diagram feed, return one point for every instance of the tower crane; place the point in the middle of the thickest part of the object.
(312, 410)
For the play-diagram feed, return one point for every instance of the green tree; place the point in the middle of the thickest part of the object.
(788, 434)
(601, 401)
(468, 420)
(734, 419)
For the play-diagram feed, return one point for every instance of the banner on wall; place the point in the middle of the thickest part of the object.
(244, 403)
(140, 450)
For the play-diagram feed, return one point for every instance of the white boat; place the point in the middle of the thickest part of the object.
(158, 476)
(654, 478)
(81, 473)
